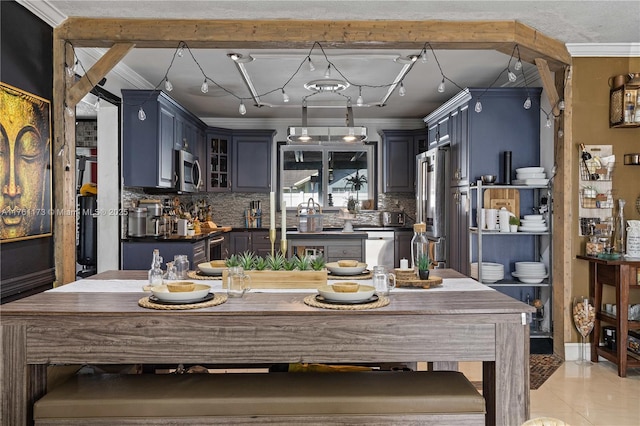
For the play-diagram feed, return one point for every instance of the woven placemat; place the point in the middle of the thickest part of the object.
(311, 301)
(218, 299)
(194, 275)
(366, 276)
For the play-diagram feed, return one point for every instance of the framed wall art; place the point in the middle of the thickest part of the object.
(25, 165)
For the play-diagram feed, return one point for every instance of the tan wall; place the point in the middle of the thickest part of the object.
(591, 127)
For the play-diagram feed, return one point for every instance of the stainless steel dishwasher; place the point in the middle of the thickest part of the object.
(379, 249)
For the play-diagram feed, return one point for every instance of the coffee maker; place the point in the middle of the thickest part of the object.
(155, 220)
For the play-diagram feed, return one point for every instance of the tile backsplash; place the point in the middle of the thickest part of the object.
(228, 208)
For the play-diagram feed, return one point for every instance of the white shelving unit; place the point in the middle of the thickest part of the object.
(510, 247)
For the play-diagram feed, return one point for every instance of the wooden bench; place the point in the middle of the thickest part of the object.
(420, 398)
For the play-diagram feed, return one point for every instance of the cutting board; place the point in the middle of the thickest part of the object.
(498, 198)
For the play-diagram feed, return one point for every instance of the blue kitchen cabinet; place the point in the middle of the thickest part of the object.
(251, 160)
(148, 146)
(398, 160)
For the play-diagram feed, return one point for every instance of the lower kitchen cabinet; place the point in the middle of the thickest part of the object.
(402, 246)
(333, 246)
(137, 255)
(256, 241)
(458, 256)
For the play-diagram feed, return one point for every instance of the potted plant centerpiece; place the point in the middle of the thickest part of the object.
(514, 222)
(423, 266)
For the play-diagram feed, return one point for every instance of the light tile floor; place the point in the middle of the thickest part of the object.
(589, 396)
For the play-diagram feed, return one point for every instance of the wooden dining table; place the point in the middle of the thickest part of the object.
(441, 327)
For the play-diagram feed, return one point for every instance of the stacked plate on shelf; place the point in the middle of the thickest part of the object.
(530, 176)
(533, 223)
(530, 272)
(491, 272)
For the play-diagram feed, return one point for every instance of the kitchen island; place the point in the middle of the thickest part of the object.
(68, 327)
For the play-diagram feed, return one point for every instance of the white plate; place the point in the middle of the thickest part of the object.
(163, 293)
(530, 182)
(529, 279)
(532, 229)
(207, 269)
(333, 267)
(363, 293)
(533, 217)
(530, 170)
(531, 175)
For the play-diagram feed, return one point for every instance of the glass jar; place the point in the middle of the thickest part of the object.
(181, 262)
(594, 247)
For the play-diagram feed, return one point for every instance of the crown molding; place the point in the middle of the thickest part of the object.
(122, 71)
(604, 49)
(45, 11)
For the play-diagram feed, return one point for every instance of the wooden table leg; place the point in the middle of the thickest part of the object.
(622, 300)
(506, 381)
(20, 384)
(595, 290)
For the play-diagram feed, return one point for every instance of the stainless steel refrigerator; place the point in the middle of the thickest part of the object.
(432, 177)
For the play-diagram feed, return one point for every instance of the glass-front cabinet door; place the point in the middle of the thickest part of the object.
(218, 149)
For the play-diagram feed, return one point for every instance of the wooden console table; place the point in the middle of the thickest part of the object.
(623, 275)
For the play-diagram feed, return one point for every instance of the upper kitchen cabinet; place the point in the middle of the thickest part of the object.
(218, 164)
(478, 140)
(251, 160)
(398, 160)
(148, 146)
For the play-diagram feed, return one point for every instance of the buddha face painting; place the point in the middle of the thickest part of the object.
(25, 158)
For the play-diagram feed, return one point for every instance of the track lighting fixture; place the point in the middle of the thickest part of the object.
(240, 58)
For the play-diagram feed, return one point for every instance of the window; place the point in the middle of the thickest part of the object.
(331, 175)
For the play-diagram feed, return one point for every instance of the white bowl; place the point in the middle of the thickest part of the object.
(334, 268)
(364, 292)
(530, 170)
(533, 217)
(529, 279)
(163, 293)
(207, 269)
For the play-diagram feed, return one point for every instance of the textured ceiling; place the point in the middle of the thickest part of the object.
(568, 21)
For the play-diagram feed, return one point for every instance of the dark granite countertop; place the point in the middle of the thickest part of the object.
(172, 238)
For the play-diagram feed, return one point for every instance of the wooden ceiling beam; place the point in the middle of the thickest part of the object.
(299, 34)
(99, 70)
(549, 85)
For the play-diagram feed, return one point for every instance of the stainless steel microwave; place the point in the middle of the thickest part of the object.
(189, 175)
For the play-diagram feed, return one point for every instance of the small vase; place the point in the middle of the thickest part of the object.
(424, 275)
(513, 228)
